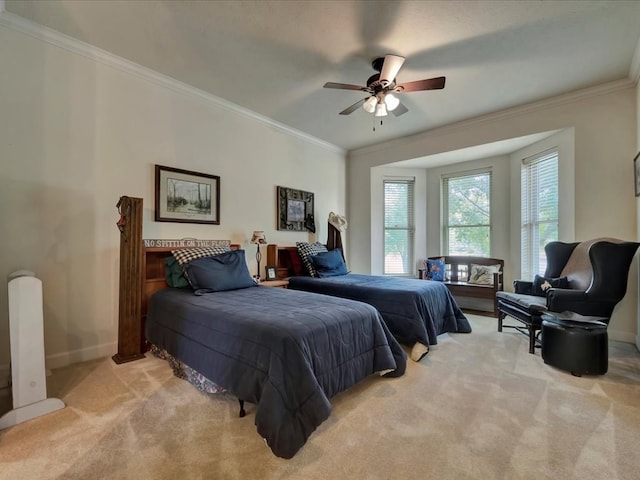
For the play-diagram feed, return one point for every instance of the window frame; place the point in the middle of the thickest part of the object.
(408, 266)
(529, 203)
(445, 179)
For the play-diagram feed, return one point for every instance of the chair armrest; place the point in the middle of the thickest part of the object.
(560, 300)
(523, 287)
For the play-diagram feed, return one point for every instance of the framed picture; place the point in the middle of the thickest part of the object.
(295, 210)
(636, 173)
(271, 272)
(187, 197)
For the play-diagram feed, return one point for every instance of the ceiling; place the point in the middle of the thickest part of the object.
(273, 57)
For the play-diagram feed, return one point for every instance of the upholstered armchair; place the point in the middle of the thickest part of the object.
(588, 278)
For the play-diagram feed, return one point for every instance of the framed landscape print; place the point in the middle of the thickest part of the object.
(187, 197)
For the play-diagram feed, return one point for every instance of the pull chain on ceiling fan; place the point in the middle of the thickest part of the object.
(382, 88)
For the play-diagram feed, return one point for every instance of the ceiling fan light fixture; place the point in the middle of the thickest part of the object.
(382, 88)
(369, 104)
(391, 101)
(381, 110)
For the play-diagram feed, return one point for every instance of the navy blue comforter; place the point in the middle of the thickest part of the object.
(414, 310)
(286, 351)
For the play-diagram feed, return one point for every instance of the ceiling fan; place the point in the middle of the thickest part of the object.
(382, 86)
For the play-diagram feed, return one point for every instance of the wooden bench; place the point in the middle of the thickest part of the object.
(457, 272)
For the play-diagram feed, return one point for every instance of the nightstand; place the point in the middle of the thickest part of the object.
(275, 283)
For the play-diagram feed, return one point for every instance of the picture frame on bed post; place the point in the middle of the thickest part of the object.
(184, 196)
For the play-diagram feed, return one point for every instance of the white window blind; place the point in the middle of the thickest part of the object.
(539, 205)
(467, 213)
(398, 227)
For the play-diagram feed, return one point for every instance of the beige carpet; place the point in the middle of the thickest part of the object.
(478, 406)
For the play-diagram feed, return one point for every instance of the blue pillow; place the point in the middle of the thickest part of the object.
(227, 271)
(435, 270)
(329, 264)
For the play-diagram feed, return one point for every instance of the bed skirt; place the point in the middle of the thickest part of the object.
(187, 373)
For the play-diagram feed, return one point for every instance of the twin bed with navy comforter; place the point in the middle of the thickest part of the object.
(276, 349)
(416, 311)
(288, 351)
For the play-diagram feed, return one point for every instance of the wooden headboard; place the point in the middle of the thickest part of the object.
(282, 257)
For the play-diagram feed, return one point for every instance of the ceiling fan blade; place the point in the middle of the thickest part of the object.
(399, 110)
(345, 86)
(428, 84)
(353, 107)
(390, 68)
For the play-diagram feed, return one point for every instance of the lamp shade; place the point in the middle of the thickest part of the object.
(258, 237)
(391, 101)
(381, 110)
(369, 104)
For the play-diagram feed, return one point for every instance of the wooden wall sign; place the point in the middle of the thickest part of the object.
(184, 243)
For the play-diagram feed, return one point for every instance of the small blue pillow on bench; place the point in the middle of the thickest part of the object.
(435, 270)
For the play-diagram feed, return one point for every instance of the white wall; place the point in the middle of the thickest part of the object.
(603, 120)
(76, 134)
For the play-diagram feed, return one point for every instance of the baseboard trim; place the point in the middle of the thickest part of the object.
(82, 355)
(619, 336)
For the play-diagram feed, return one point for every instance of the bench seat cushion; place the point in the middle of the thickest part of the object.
(527, 302)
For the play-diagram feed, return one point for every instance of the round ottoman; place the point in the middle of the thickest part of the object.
(575, 343)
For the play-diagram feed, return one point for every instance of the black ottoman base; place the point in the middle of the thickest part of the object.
(575, 349)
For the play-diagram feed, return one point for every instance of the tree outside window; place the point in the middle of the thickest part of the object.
(467, 205)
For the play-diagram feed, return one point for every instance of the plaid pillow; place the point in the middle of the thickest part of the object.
(187, 254)
(306, 251)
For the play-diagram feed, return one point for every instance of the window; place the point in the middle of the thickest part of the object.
(539, 204)
(467, 213)
(398, 227)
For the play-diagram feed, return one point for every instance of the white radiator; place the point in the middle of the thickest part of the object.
(26, 334)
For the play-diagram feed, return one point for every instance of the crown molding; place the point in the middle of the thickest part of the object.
(84, 49)
(558, 100)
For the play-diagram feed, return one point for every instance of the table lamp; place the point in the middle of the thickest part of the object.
(258, 237)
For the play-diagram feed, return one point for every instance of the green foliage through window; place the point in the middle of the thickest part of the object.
(467, 205)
